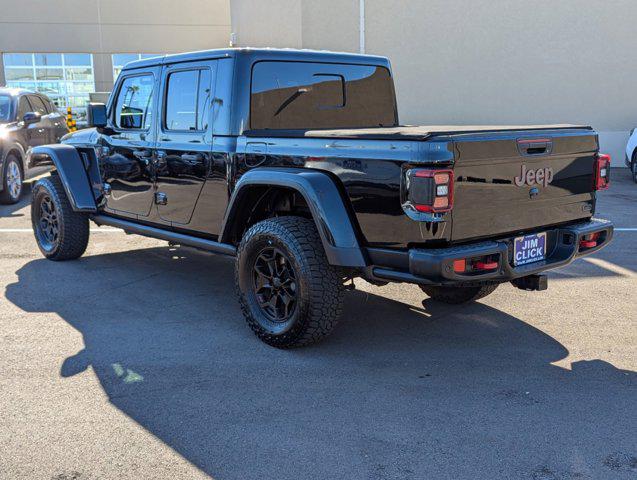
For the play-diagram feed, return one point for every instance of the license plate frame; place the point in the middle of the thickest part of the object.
(529, 249)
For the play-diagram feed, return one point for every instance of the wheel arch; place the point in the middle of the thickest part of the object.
(72, 172)
(315, 195)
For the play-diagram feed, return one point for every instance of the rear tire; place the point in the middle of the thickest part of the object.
(634, 169)
(289, 294)
(61, 233)
(458, 295)
(12, 180)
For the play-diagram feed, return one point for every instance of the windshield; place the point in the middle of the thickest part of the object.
(5, 108)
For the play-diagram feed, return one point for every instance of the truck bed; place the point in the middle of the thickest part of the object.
(406, 132)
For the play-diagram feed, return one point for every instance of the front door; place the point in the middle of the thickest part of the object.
(127, 160)
(43, 130)
(185, 139)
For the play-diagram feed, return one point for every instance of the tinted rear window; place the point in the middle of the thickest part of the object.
(289, 95)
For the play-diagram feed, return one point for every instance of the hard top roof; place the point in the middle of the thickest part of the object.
(283, 54)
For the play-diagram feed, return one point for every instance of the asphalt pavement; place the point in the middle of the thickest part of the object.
(135, 362)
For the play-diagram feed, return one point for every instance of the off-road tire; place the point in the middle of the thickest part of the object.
(458, 295)
(72, 229)
(6, 196)
(318, 286)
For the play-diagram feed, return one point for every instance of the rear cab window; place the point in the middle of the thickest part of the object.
(134, 103)
(303, 95)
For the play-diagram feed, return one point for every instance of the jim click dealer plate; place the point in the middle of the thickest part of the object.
(529, 248)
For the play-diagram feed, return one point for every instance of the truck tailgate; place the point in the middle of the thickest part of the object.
(507, 182)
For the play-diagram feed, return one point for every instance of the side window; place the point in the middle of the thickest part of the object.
(133, 108)
(23, 107)
(50, 107)
(187, 99)
(37, 104)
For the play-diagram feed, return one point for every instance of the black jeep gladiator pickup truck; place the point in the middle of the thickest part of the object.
(295, 163)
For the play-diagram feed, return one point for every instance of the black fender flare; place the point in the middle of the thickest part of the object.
(72, 172)
(324, 200)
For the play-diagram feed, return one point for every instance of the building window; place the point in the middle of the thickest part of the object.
(66, 78)
(121, 59)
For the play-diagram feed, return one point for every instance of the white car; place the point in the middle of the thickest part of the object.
(631, 153)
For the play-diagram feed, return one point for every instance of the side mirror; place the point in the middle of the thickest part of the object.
(96, 115)
(31, 118)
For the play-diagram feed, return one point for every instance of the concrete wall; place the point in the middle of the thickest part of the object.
(323, 25)
(103, 27)
(478, 61)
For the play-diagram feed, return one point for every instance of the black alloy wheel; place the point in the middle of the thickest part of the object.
(274, 283)
(47, 224)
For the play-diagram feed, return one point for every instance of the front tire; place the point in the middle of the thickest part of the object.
(12, 180)
(61, 233)
(289, 294)
(634, 169)
(458, 295)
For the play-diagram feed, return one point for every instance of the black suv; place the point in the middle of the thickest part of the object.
(295, 163)
(27, 119)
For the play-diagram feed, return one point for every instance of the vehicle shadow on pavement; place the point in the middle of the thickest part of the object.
(397, 392)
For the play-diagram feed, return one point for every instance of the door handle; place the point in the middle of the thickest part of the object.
(189, 157)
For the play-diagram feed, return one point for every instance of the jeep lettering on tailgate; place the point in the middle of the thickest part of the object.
(541, 176)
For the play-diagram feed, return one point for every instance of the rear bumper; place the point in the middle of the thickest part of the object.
(435, 266)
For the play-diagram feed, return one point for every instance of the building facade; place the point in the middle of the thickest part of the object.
(69, 48)
(455, 61)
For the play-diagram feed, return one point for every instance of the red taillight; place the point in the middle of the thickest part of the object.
(602, 172)
(435, 194)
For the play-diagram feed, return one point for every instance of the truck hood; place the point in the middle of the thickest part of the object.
(79, 137)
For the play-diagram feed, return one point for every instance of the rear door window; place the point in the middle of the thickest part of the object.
(188, 92)
(134, 104)
(300, 95)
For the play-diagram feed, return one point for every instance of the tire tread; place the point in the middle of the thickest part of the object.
(74, 227)
(325, 285)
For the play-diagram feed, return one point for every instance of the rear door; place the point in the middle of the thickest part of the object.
(37, 133)
(184, 147)
(507, 182)
(127, 161)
